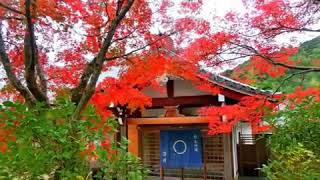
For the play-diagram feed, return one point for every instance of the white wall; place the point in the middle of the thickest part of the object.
(186, 88)
(155, 93)
(153, 112)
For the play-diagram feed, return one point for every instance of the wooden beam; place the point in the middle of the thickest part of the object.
(204, 100)
(168, 120)
(232, 94)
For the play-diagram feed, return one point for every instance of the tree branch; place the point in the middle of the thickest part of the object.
(42, 78)
(119, 5)
(10, 8)
(11, 18)
(98, 62)
(11, 76)
(76, 92)
(32, 60)
(272, 61)
(289, 77)
(140, 48)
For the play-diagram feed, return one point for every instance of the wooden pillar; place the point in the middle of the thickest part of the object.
(227, 156)
(161, 173)
(182, 173)
(134, 139)
(227, 149)
(204, 154)
(240, 160)
(234, 150)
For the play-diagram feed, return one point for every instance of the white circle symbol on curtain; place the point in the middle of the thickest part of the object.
(183, 150)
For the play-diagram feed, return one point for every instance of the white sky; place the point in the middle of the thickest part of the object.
(221, 7)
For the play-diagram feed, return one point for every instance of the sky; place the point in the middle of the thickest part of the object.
(221, 7)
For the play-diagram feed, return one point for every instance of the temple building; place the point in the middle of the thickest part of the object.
(172, 140)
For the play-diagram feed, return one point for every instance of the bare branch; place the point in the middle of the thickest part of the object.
(42, 78)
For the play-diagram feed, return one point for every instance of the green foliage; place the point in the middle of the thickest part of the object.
(48, 142)
(295, 144)
(295, 164)
(124, 164)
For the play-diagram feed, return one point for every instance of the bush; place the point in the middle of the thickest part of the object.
(295, 163)
(41, 142)
(295, 152)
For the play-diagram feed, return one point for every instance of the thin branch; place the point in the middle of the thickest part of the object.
(272, 61)
(235, 58)
(10, 8)
(11, 18)
(305, 29)
(125, 37)
(140, 48)
(289, 77)
(42, 78)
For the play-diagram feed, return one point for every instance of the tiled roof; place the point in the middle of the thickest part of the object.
(235, 85)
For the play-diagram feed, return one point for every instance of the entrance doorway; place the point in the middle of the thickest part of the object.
(213, 155)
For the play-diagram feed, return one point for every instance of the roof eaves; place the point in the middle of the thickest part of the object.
(235, 85)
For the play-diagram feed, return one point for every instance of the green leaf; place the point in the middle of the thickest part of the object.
(8, 104)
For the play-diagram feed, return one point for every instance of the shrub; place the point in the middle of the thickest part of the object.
(295, 152)
(42, 142)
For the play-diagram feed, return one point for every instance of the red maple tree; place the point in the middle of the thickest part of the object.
(48, 45)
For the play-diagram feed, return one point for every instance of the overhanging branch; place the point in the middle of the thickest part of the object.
(289, 77)
(274, 62)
